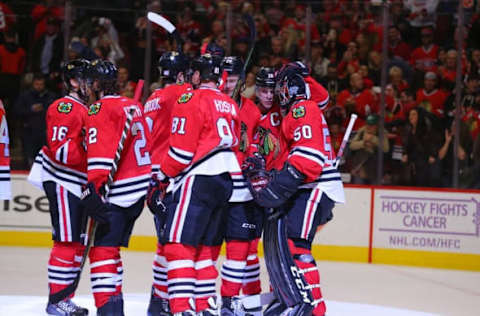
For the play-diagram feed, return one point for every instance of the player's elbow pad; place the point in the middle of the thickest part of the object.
(282, 186)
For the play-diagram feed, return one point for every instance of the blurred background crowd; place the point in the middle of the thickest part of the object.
(340, 40)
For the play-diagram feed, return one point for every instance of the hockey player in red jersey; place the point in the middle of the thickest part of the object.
(307, 179)
(60, 168)
(158, 111)
(200, 159)
(244, 220)
(117, 211)
(5, 183)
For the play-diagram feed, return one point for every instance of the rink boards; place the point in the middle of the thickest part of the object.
(406, 226)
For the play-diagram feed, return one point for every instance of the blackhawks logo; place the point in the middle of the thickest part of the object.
(64, 107)
(268, 142)
(298, 112)
(184, 98)
(94, 108)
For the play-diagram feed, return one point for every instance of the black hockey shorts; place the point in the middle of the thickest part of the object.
(307, 209)
(197, 210)
(68, 220)
(120, 225)
(161, 218)
(244, 221)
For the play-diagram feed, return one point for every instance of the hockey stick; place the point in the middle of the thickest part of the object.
(70, 289)
(353, 118)
(167, 25)
(253, 33)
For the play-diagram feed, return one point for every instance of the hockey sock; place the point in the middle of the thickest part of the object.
(104, 273)
(160, 274)
(251, 278)
(180, 275)
(216, 253)
(62, 266)
(118, 287)
(206, 275)
(233, 268)
(304, 260)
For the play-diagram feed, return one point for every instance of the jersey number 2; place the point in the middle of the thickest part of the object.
(140, 144)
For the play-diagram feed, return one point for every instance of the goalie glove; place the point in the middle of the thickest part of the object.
(253, 170)
(93, 204)
(282, 185)
(156, 192)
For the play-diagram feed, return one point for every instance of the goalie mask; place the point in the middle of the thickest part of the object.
(171, 64)
(265, 87)
(208, 66)
(74, 77)
(290, 89)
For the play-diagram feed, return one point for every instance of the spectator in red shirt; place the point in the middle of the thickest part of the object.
(42, 12)
(396, 46)
(7, 18)
(424, 57)
(350, 62)
(431, 98)
(357, 100)
(396, 79)
(12, 65)
(448, 73)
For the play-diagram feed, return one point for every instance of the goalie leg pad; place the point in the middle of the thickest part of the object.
(286, 279)
(304, 260)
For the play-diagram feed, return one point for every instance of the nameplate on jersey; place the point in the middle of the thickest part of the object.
(298, 112)
(137, 112)
(223, 106)
(184, 98)
(152, 105)
(94, 108)
(65, 107)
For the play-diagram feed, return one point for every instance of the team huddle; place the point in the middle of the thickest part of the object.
(212, 167)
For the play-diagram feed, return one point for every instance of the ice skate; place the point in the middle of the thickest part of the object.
(66, 308)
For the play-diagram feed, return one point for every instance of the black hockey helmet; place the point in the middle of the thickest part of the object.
(209, 66)
(76, 69)
(171, 64)
(213, 49)
(106, 73)
(291, 88)
(233, 65)
(265, 77)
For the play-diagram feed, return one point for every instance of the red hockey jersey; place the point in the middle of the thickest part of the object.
(64, 158)
(5, 183)
(158, 113)
(104, 125)
(433, 101)
(305, 143)
(205, 129)
(425, 59)
(318, 93)
(267, 136)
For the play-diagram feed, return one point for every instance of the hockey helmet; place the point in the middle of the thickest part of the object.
(209, 67)
(294, 68)
(106, 73)
(76, 69)
(171, 64)
(233, 65)
(265, 77)
(291, 88)
(213, 49)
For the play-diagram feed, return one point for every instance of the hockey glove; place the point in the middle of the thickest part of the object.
(93, 204)
(155, 194)
(253, 170)
(282, 185)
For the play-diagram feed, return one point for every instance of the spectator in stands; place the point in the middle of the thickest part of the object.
(48, 52)
(319, 61)
(396, 46)
(423, 13)
(395, 76)
(124, 84)
(474, 62)
(44, 12)
(31, 107)
(445, 153)
(430, 97)
(278, 58)
(448, 73)
(424, 57)
(332, 83)
(274, 13)
(106, 40)
(350, 62)
(358, 100)
(7, 17)
(364, 147)
(12, 65)
(421, 149)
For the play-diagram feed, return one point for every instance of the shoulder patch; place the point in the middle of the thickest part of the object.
(184, 98)
(94, 108)
(298, 112)
(65, 107)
